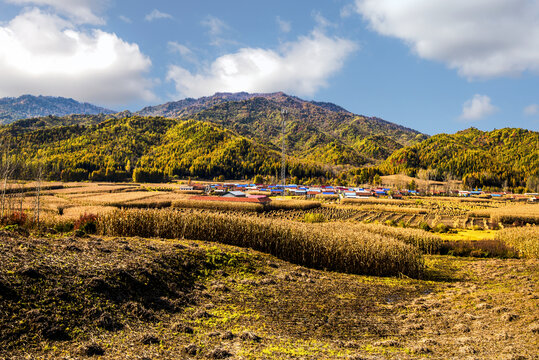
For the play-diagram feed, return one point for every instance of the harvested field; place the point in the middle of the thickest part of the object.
(151, 298)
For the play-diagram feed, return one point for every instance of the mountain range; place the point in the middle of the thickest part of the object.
(27, 106)
(239, 135)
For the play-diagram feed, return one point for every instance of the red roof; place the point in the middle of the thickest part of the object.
(231, 199)
(257, 196)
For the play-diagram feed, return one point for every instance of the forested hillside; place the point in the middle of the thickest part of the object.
(240, 136)
(506, 157)
(232, 135)
(313, 129)
(147, 149)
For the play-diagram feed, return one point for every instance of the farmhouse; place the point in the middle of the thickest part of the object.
(350, 195)
(236, 194)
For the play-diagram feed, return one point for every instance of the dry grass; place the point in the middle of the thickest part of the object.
(512, 213)
(309, 245)
(390, 208)
(524, 239)
(161, 200)
(218, 205)
(371, 201)
(293, 205)
(75, 212)
(245, 206)
(89, 188)
(135, 298)
(327, 197)
(401, 180)
(427, 242)
(113, 199)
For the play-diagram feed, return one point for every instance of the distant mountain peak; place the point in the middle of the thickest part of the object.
(29, 106)
(189, 106)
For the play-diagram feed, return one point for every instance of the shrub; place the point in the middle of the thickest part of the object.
(441, 228)
(64, 226)
(74, 175)
(479, 248)
(15, 218)
(314, 218)
(424, 226)
(86, 223)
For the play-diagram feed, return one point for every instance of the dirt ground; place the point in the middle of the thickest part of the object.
(134, 298)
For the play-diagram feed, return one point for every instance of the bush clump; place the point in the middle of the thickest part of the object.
(86, 223)
(441, 228)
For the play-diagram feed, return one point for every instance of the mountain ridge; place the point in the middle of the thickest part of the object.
(314, 130)
(30, 106)
(242, 138)
(188, 106)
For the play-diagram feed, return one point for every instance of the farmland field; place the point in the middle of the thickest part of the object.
(140, 271)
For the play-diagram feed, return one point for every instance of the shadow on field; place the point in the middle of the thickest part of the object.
(57, 290)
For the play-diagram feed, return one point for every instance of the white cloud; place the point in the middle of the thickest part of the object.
(41, 53)
(300, 67)
(284, 26)
(477, 108)
(531, 110)
(347, 10)
(179, 48)
(125, 19)
(156, 15)
(479, 38)
(321, 21)
(80, 11)
(183, 50)
(215, 25)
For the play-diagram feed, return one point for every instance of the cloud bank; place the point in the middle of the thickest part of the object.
(43, 53)
(301, 67)
(480, 38)
(79, 11)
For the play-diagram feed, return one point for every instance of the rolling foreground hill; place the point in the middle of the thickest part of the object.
(131, 297)
(28, 106)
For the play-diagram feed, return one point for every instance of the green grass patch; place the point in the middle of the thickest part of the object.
(466, 234)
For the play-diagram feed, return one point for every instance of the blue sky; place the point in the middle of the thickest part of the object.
(432, 65)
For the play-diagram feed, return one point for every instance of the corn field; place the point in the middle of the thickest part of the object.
(331, 247)
(524, 239)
